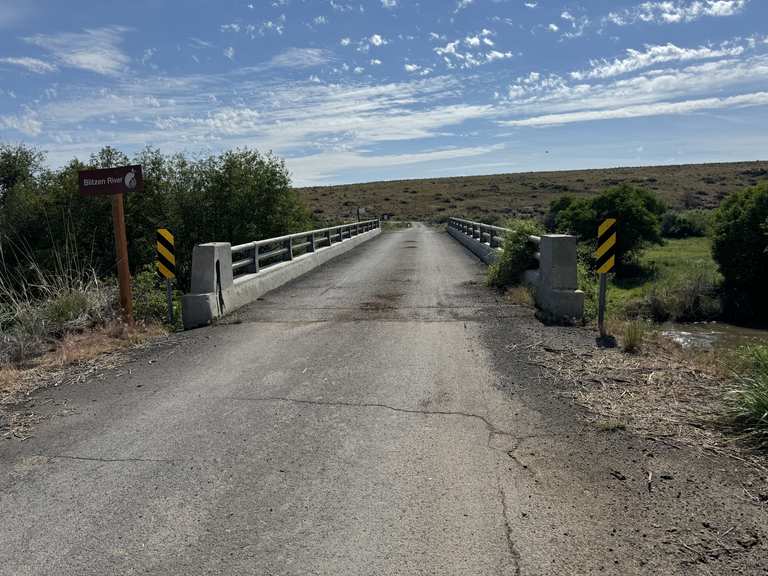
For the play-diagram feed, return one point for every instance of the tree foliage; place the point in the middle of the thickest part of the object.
(637, 211)
(740, 248)
(235, 197)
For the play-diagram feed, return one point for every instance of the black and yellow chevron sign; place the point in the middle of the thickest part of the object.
(166, 254)
(606, 246)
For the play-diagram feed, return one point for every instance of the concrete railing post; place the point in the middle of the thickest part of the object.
(558, 287)
(254, 268)
(312, 246)
(211, 279)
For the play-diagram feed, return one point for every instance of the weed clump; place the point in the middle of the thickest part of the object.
(748, 401)
(518, 254)
(633, 335)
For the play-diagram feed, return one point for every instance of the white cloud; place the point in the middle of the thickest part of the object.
(300, 58)
(320, 167)
(553, 27)
(461, 4)
(345, 41)
(675, 11)
(389, 3)
(376, 40)
(644, 110)
(229, 52)
(637, 60)
(26, 123)
(97, 50)
(31, 64)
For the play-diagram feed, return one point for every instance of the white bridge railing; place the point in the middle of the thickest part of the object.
(226, 277)
(251, 257)
(493, 236)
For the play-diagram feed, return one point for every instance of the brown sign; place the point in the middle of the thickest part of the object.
(111, 180)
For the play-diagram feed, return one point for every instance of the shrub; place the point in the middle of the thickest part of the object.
(740, 248)
(687, 224)
(638, 212)
(517, 255)
(749, 400)
(587, 282)
(150, 299)
(691, 297)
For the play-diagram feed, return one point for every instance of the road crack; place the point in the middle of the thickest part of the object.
(512, 549)
(492, 429)
(107, 460)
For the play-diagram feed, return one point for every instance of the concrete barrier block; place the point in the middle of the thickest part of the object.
(558, 262)
(211, 267)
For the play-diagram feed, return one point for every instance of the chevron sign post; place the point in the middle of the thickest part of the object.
(606, 261)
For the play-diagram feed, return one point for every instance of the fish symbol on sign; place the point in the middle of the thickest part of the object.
(130, 180)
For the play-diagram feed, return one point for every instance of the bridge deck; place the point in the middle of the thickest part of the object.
(361, 420)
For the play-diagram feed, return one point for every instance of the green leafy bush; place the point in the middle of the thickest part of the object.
(149, 296)
(587, 282)
(740, 248)
(638, 212)
(687, 224)
(517, 256)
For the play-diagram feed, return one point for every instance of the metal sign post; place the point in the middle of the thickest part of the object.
(116, 182)
(606, 260)
(166, 264)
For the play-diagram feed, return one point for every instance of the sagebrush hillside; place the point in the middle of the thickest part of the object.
(496, 197)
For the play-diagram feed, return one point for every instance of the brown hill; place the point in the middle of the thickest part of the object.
(499, 196)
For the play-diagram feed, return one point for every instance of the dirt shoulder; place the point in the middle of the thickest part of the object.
(632, 443)
(73, 359)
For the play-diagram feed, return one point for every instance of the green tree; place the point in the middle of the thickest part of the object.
(234, 197)
(637, 211)
(740, 248)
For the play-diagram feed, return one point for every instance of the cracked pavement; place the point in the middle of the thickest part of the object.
(364, 419)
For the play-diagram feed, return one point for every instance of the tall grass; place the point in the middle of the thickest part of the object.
(38, 305)
(633, 335)
(749, 399)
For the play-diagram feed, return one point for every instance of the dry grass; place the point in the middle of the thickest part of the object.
(664, 392)
(633, 335)
(498, 197)
(86, 350)
(520, 295)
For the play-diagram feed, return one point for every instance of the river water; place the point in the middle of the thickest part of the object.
(711, 335)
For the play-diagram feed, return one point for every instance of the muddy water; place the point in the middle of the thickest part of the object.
(711, 335)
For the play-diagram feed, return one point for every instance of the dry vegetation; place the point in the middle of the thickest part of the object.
(660, 391)
(497, 197)
(73, 358)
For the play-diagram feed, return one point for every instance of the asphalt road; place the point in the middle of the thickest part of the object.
(359, 421)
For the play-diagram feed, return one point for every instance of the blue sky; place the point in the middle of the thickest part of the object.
(352, 91)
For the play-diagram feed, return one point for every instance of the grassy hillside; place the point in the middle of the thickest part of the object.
(493, 198)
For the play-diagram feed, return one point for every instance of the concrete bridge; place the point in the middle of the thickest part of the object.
(374, 416)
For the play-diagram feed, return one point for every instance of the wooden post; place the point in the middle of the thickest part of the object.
(121, 247)
(601, 305)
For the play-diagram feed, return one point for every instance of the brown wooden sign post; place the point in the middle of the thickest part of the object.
(115, 182)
